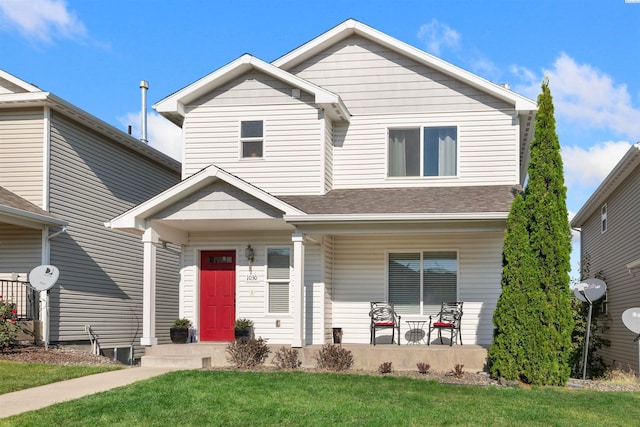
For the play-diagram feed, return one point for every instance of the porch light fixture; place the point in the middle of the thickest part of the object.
(249, 254)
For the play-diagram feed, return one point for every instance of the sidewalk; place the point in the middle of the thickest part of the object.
(42, 396)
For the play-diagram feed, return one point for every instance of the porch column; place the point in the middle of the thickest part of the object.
(149, 240)
(297, 289)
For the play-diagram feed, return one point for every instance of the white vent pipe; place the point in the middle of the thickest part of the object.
(144, 86)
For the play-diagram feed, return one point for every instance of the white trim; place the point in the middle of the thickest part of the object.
(27, 218)
(395, 217)
(46, 157)
(135, 218)
(176, 102)
(629, 162)
(18, 82)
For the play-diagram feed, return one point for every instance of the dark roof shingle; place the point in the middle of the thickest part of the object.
(408, 200)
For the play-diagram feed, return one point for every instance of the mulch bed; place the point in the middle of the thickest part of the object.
(70, 356)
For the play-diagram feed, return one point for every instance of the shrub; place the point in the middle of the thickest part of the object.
(334, 358)
(423, 367)
(286, 358)
(243, 324)
(384, 368)
(8, 328)
(457, 370)
(181, 324)
(247, 353)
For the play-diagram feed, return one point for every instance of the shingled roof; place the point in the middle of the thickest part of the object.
(18, 204)
(455, 200)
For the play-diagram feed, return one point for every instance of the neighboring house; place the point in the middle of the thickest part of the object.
(610, 240)
(355, 168)
(63, 174)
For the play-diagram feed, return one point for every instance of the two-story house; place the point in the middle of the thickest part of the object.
(609, 238)
(63, 174)
(355, 168)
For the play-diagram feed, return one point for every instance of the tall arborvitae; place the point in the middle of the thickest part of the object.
(545, 201)
(535, 348)
(515, 316)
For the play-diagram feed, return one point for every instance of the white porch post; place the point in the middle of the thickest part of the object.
(297, 309)
(149, 239)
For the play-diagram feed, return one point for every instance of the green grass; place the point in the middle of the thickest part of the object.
(232, 398)
(16, 376)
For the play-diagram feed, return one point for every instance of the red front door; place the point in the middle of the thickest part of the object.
(217, 295)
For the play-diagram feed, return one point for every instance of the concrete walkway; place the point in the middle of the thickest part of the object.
(42, 396)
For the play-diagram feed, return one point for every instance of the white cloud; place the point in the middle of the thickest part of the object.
(437, 35)
(587, 167)
(162, 135)
(584, 95)
(43, 20)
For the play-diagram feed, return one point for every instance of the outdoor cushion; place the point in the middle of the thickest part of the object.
(442, 324)
(385, 323)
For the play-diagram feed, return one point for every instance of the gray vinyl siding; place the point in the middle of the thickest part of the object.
(20, 250)
(292, 135)
(359, 277)
(372, 79)
(609, 252)
(21, 153)
(93, 180)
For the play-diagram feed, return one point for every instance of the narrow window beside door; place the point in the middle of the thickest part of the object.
(278, 277)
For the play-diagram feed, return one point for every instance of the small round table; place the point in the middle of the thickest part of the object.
(416, 333)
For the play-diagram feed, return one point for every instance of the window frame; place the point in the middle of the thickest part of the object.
(421, 132)
(269, 281)
(603, 218)
(424, 309)
(242, 139)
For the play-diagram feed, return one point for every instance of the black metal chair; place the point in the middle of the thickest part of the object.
(383, 316)
(449, 319)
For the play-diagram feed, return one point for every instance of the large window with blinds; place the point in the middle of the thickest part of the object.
(420, 281)
(278, 273)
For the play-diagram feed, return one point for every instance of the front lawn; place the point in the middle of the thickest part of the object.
(235, 398)
(19, 375)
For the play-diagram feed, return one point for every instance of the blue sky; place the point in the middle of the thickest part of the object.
(94, 53)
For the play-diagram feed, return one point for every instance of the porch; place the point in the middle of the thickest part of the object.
(442, 358)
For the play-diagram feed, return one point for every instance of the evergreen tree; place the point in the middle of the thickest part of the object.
(550, 236)
(533, 318)
(515, 315)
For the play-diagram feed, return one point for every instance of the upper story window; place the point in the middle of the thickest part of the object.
(426, 151)
(603, 218)
(252, 138)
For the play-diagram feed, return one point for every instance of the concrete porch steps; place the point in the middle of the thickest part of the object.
(442, 358)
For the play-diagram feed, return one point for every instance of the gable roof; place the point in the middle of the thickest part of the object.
(629, 162)
(35, 97)
(135, 218)
(173, 106)
(15, 209)
(352, 27)
(18, 83)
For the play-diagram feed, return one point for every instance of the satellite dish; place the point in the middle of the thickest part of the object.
(631, 319)
(594, 289)
(43, 277)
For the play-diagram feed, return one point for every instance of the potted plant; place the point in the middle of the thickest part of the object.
(179, 331)
(242, 328)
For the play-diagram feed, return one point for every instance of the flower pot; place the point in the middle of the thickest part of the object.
(242, 334)
(179, 335)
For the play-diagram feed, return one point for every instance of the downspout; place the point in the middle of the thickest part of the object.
(46, 247)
